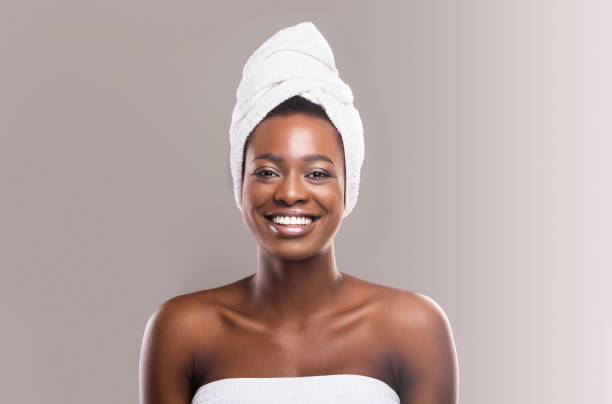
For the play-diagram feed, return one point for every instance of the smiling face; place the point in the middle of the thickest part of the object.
(294, 166)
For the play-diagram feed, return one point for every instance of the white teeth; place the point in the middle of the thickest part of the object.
(292, 220)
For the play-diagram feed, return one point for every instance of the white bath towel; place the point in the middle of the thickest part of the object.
(297, 60)
(324, 389)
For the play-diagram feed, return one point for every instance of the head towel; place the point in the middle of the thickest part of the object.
(297, 60)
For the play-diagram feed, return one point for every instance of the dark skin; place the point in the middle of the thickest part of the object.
(298, 315)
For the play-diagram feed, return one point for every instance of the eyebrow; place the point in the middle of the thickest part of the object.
(308, 157)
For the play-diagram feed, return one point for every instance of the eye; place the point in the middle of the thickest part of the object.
(264, 172)
(321, 174)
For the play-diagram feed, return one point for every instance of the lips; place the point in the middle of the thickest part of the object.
(311, 217)
(291, 230)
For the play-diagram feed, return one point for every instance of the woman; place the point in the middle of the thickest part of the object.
(298, 330)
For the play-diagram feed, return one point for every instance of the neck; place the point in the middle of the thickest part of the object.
(286, 291)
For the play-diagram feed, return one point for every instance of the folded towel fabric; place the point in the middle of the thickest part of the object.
(297, 60)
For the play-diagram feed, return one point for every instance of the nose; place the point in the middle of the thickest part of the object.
(291, 189)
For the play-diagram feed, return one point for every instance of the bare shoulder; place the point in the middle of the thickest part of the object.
(184, 317)
(195, 320)
(174, 326)
(172, 334)
(404, 307)
(181, 311)
(420, 336)
(412, 311)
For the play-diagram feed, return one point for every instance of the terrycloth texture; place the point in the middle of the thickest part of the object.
(327, 389)
(296, 61)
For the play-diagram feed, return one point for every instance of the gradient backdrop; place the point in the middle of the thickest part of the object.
(486, 184)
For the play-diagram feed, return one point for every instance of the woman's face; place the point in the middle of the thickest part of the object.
(293, 167)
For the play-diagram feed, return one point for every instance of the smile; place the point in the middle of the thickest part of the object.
(292, 226)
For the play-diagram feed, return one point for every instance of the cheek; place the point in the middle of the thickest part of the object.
(330, 196)
(254, 193)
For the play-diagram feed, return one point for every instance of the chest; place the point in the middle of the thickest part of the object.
(346, 347)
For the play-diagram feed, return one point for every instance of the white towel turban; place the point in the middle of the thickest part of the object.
(297, 60)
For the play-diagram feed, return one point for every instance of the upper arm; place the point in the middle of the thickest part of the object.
(428, 359)
(165, 356)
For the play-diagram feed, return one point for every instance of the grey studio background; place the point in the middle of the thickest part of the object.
(486, 184)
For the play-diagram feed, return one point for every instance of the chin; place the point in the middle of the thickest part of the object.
(291, 253)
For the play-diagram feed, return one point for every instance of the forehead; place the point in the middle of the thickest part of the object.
(295, 135)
